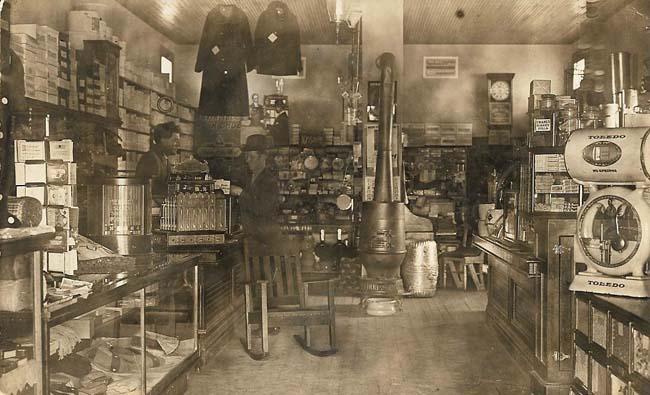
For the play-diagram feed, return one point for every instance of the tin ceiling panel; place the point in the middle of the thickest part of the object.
(499, 21)
(182, 20)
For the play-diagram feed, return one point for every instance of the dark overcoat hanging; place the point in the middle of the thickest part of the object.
(277, 41)
(225, 55)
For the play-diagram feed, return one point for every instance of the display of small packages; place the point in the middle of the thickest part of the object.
(46, 171)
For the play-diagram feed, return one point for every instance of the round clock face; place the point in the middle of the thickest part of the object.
(165, 104)
(500, 90)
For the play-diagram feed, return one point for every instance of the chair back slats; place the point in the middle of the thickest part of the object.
(282, 267)
(281, 271)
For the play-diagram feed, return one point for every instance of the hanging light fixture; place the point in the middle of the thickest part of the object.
(343, 11)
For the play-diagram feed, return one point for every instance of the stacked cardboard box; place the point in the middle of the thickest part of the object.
(136, 98)
(45, 170)
(134, 141)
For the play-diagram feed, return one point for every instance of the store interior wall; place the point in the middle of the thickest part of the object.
(145, 45)
(465, 99)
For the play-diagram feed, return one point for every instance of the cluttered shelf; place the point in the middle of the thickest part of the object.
(158, 268)
(38, 106)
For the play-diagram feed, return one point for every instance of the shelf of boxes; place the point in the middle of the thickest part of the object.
(134, 140)
(553, 189)
(437, 134)
(45, 170)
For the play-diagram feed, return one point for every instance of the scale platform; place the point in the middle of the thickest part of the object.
(636, 287)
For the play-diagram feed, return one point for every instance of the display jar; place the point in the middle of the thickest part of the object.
(568, 121)
(590, 118)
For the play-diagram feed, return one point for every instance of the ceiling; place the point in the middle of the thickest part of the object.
(425, 21)
(499, 21)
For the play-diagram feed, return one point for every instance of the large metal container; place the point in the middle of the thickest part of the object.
(382, 240)
(119, 214)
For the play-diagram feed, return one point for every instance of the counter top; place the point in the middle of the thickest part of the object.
(161, 266)
(22, 240)
(513, 254)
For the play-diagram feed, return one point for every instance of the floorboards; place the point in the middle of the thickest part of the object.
(440, 345)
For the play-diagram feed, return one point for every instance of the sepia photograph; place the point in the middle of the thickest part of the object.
(453, 200)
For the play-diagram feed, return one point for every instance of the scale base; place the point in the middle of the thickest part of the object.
(636, 287)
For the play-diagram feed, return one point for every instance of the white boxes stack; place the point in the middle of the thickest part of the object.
(38, 49)
(45, 170)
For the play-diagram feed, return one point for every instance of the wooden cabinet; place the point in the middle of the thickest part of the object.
(555, 246)
(529, 300)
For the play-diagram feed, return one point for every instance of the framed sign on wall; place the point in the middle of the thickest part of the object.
(440, 67)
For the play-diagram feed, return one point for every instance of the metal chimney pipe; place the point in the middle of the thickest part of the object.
(384, 177)
(382, 238)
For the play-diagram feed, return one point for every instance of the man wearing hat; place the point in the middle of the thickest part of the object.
(154, 163)
(258, 202)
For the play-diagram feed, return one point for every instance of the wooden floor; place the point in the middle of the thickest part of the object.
(441, 345)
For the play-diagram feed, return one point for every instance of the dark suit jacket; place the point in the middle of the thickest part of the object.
(224, 89)
(277, 41)
(260, 207)
(154, 165)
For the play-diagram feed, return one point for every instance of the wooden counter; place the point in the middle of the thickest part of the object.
(530, 304)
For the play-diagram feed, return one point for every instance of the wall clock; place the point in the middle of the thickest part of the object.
(499, 103)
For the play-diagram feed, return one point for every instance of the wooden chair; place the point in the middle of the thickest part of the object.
(276, 295)
(463, 261)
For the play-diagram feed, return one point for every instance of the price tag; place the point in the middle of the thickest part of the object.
(272, 37)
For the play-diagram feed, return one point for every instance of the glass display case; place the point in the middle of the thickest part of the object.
(553, 190)
(22, 339)
(133, 332)
(617, 352)
(136, 332)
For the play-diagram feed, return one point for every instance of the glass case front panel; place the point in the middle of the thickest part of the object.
(582, 316)
(99, 351)
(618, 386)
(620, 341)
(641, 354)
(17, 353)
(598, 378)
(170, 325)
(582, 366)
(599, 328)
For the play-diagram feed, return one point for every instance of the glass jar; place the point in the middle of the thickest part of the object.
(567, 123)
(590, 118)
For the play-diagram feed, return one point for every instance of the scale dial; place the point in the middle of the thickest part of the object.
(500, 90)
(613, 233)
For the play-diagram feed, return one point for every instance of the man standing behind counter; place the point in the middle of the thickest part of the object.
(154, 163)
(259, 200)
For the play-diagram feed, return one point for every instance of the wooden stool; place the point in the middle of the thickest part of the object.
(459, 263)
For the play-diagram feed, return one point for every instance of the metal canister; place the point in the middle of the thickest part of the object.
(124, 224)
